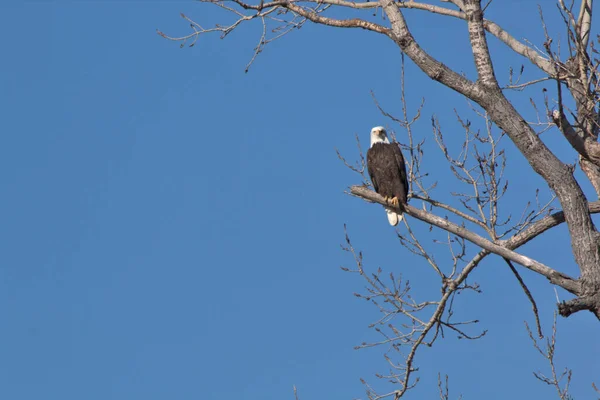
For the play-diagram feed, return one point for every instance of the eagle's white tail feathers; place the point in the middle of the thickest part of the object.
(393, 217)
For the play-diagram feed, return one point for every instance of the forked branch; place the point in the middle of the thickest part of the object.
(552, 275)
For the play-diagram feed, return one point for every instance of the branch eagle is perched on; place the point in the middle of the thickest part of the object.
(388, 172)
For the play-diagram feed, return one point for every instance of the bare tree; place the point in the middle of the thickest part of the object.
(472, 227)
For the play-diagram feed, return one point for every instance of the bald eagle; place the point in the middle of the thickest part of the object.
(387, 171)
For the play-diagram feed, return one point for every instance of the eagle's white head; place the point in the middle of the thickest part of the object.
(379, 135)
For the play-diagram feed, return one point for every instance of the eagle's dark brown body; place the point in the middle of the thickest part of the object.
(388, 171)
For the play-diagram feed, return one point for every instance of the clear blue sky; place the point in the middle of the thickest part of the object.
(171, 225)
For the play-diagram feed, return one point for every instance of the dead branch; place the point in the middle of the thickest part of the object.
(529, 296)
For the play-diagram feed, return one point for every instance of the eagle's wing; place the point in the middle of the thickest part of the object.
(401, 167)
(371, 170)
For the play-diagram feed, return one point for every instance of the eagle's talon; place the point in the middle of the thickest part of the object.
(394, 202)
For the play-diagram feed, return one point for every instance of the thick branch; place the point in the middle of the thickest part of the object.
(555, 277)
(344, 23)
(530, 53)
(481, 53)
(591, 303)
